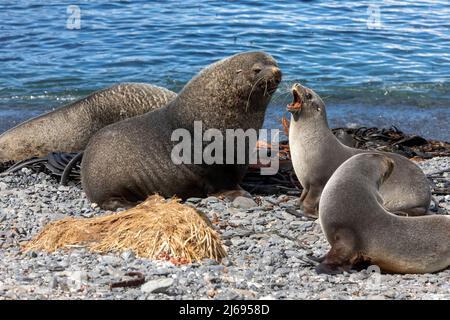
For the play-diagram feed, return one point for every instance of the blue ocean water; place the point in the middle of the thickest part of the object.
(374, 62)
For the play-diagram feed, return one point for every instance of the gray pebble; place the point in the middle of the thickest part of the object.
(244, 203)
(157, 286)
(194, 200)
(266, 249)
(128, 255)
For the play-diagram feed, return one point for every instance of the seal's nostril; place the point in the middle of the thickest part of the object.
(276, 74)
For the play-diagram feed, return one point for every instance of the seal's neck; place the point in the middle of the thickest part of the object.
(229, 110)
(314, 128)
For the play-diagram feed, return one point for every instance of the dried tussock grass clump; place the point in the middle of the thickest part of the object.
(156, 229)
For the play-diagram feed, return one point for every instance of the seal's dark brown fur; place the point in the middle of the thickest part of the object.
(127, 161)
(69, 128)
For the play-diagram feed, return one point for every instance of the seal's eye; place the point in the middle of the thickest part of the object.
(308, 96)
(257, 70)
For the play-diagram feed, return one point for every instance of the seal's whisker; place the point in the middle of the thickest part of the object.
(282, 94)
(287, 87)
(251, 91)
(281, 97)
(287, 90)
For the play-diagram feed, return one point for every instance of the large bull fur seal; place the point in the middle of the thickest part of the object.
(127, 161)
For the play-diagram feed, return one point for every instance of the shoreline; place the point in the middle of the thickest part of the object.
(424, 121)
(267, 246)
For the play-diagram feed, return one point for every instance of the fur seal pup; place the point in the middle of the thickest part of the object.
(361, 231)
(316, 153)
(69, 128)
(129, 160)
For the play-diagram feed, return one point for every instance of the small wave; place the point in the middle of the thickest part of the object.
(41, 97)
(411, 94)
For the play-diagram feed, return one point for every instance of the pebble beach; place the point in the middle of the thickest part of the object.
(268, 247)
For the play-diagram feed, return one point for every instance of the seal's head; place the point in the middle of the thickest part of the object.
(238, 86)
(255, 73)
(386, 166)
(307, 104)
(376, 166)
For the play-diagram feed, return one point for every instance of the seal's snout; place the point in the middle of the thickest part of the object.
(296, 105)
(276, 75)
(273, 78)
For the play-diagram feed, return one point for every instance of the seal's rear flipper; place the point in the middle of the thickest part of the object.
(342, 256)
(413, 212)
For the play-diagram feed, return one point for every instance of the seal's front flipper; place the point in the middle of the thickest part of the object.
(342, 256)
(115, 203)
(310, 203)
(233, 194)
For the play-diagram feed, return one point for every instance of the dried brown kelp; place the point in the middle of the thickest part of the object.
(394, 140)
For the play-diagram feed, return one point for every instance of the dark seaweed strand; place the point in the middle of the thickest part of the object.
(68, 169)
(5, 165)
(55, 163)
(139, 279)
(28, 163)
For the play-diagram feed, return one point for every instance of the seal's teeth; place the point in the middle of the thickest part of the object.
(297, 103)
(297, 98)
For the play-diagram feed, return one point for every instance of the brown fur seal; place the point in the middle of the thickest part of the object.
(127, 161)
(360, 230)
(317, 153)
(69, 128)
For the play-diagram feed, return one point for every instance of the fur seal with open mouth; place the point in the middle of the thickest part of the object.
(361, 231)
(69, 128)
(316, 153)
(129, 160)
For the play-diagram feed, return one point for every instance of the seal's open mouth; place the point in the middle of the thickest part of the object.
(296, 105)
